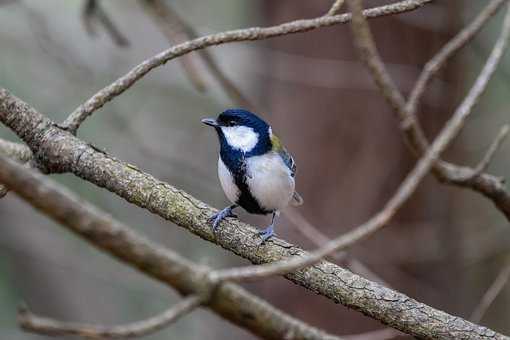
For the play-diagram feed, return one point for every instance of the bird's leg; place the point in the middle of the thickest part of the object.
(221, 215)
(269, 231)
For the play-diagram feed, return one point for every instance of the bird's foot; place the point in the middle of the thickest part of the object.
(220, 216)
(266, 234)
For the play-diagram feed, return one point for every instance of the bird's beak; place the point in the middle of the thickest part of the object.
(210, 121)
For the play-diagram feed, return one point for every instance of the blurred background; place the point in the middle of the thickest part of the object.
(445, 248)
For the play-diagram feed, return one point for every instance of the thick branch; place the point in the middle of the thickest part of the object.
(101, 230)
(41, 325)
(61, 151)
(255, 33)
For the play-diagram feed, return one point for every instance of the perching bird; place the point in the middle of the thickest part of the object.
(256, 172)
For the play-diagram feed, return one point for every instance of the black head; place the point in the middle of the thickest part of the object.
(236, 129)
(238, 117)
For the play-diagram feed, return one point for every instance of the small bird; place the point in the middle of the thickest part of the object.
(255, 170)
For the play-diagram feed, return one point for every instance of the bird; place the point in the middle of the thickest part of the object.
(255, 170)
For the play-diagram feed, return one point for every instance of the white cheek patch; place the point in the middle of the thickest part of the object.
(240, 137)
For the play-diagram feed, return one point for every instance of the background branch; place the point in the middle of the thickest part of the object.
(175, 32)
(42, 325)
(491, 294)
(81, 113)
(94, 13)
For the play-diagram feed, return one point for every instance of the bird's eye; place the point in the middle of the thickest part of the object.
(231, 123)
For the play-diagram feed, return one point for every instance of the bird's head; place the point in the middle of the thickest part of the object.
(242, 130)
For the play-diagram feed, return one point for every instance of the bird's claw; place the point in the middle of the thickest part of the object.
(220, 216)
(266, 234)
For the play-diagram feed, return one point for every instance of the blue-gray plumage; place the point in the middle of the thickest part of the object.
(255, 170)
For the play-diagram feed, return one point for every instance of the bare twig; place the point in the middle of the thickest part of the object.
(491, 294)
(452, 47)
(60, 151)
(489, 155)
(42, 325)
(490, 186)
(101, 230)
(175, 31)
(319, 239)
(364, 42)
(81, 113)
(335, 8)
(92, 11)
(166, 11)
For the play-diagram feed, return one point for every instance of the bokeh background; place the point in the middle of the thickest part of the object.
(445, 247)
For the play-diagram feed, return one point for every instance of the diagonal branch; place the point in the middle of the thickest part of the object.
(41, 325)
(102, 231)
(169, 18)
(175, 32)
(449, 50)
(81, 113)
(14, 150)
(335, 8)
(488, 185)
(93, 11)
(60, 151)
(491, 294)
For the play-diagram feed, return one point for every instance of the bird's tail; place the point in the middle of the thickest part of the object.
(297, 200)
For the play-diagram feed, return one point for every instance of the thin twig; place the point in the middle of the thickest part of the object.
(42, 325)
(489, 155)
(491, 294)
(74, 120)
(230, 89)
(361, 33)
(335, 8)
(448, 50)
(488, 185)
(93, 11)
(176, 33)
(319, 239)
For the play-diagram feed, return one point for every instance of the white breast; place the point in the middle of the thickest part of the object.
(270, 181)
(227, 182)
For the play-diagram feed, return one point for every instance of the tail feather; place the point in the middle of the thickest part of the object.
(297, 200)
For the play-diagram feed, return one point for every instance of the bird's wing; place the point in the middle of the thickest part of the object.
(284, 154)
(291, 164)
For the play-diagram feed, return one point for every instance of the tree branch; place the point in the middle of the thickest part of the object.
(175, 32)
(491, 294)
(41, 325)
(101, 230)
(489, 155)
(14, 150)
(81, 113)
(449, 50)
(60, 151)
(166, 12)
(490, 186)
(335, 8)
(92, 11)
